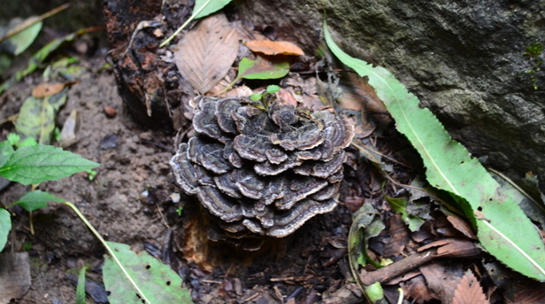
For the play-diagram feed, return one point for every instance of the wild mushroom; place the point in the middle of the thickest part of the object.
(262, 171)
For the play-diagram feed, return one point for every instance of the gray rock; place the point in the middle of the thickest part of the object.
(464, 60)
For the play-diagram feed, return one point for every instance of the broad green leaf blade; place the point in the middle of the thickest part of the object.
(157, 281)
(35, 164)
(80, 289)
(262, 69)
(503, 229)
(35, 200)
(6, 150)
(5, 227)
(36, 118)
(204, 8)
(18, 43)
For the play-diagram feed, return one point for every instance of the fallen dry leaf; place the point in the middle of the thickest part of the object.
(269, 47)
(529, 295)
(442, 277)
(48, 89)
(469, 291)
(462, 226)
(205, 54)
(416, 289)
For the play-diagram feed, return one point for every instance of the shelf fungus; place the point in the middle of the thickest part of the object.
(260, 171)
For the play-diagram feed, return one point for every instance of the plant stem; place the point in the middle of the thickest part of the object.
(110, 251)
(185, 24)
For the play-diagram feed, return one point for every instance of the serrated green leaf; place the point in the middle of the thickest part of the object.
(35, 200)
(204, 8)
(157, 281)
(80, 289)
(35, 164)
(6, 150)
(503, 229)
(5, 227)
(262, 69)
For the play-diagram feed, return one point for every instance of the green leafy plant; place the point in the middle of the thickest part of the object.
(269, 90)
(38, 163)
(80, 288)
(532, 52)
(503, 228)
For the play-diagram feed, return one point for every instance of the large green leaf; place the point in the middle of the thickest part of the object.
(503, 229)
(35, 164)
(5, 227)
(35, 200)
(204, 8)
(6, 150)
(19, 42)
(157, 281)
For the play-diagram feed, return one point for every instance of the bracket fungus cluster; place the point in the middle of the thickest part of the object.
(262, 170)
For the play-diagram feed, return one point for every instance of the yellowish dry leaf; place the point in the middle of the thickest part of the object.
(47, 89)
(204, 55)
(269, 47)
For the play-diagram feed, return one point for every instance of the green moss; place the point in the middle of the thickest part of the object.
(533, 51)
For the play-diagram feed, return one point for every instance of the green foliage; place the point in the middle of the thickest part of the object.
(179, 210)
(35, 164)
(6, 150)
(533, 51)
(37, 116)
(401, 205)
(26, 246)
(92, 174)
(366, 224)
(80, 289)
(260, 96)
(39, 57)
(204, 8)
(18, 43)
(255, 69)
(503, 229)
(35, 200)
(158, 283)
(15, 140)
(5, 227)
